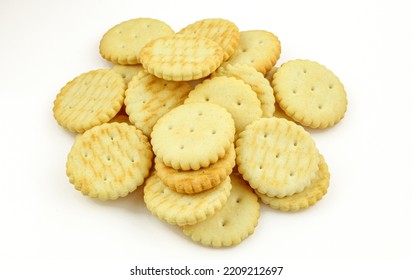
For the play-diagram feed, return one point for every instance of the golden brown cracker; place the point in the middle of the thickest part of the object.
(184, 209)
(88, 100)
(181, 58)
(148, 98)
(222, 31)
(194, 181)
(109, 161)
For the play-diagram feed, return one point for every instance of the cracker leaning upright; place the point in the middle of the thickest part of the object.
(181, 58)
(277, 157)
(109, 161)
(193, 135)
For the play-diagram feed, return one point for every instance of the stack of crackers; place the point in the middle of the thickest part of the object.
(204, 121)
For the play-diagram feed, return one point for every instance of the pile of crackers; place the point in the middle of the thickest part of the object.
(205, 121)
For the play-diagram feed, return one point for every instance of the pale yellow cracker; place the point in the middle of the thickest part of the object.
(233, 223)
(109, 161)
(148, 98)
(277, 157)
(255, 80)
(270, 73)
(233, 94)
(310, 93)
(184, 209)
(308, 197)
(194, 181)
(222, 31)
(181, 58)
(90, 99)
(257, 48)
(123, 42)
(127, 71)
(193, 135)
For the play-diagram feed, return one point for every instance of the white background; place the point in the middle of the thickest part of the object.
(365, 219)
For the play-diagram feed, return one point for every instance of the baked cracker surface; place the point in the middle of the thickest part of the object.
(310, 93)
(222, 31)
(184, 209)
(181, 57)
(257, 48)
(123, 42)
(109, 161)
(309, 196)
(193, 135)
(255, 80)
(277, 157)
(90, 99)
(233, 223)
(148, 98)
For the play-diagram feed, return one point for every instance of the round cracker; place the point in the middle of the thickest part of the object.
(310, 93)
(193, 135)
(148, 98)
(222, 31)
(257, 48)
(255, 80)
(90, 99)
(109, 161)
(181, 57)
(308, 197)
(233, 223)
(237, 97)
(277, 157)
(184, 209)
(123, 42)
(194, 181)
